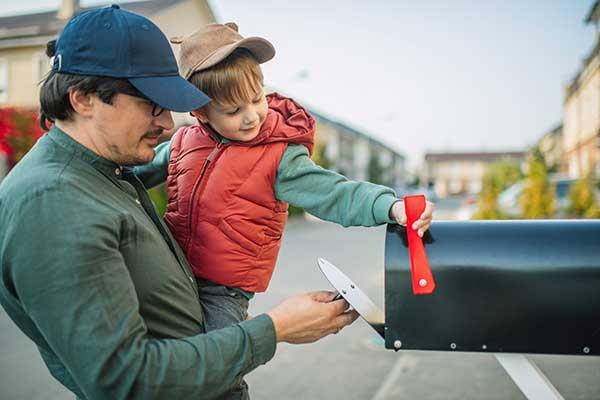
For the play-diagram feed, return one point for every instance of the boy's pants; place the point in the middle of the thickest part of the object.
(224, 306)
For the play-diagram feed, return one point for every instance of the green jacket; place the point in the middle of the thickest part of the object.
(90, 274)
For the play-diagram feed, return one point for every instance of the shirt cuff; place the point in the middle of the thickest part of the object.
(262, 335)
(381, 209)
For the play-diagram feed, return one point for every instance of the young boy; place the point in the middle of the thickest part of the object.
(232, 175)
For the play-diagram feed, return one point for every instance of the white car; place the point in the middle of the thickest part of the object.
(508, 200)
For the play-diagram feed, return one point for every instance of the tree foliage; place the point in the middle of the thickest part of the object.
(582, 199)
(499, 176)
(538, 197)
(375, 169)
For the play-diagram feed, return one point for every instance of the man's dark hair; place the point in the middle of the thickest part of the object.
(55, 88)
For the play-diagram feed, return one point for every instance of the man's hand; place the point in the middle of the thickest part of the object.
(421, 225)
(309, 317)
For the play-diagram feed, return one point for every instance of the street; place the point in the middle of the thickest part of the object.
(351, 365)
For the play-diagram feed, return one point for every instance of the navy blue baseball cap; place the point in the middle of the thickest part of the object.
(117, 43)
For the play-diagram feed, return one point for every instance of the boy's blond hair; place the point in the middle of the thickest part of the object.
(235, 80)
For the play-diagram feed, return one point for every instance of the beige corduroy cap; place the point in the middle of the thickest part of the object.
(212, 44)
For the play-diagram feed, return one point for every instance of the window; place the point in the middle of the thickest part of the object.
(41, 66)
(3, 80)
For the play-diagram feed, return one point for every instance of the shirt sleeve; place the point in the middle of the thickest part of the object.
(75, 287)
(329, 195)
(155, 172)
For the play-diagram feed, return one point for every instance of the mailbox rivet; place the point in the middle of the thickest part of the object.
(586, 350)
(352, 286)
(423, 282)
(343, 291)
(453, 346)
(397, 344)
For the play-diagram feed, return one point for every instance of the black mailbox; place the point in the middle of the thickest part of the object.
(501, 286)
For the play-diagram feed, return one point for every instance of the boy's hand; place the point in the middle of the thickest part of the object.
(398, 213)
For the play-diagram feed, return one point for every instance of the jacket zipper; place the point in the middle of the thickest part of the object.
(205, 166)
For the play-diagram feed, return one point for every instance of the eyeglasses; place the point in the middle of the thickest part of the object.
(157, 110)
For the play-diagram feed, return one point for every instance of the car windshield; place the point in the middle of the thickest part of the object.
(511, 194)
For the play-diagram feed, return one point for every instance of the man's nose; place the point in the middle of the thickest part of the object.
(164, 121)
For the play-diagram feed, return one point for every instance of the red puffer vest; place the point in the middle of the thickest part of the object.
(222, 207)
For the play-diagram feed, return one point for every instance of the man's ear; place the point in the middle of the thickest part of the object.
(82, 103)
(200, 115)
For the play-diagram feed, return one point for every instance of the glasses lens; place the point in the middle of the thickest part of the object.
(157, 110)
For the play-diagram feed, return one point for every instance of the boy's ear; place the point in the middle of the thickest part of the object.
(199, 115)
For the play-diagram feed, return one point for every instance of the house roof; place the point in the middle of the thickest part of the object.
(47, 23)
(592, 17)
(594, 13)
(354, 132)
(474, 156)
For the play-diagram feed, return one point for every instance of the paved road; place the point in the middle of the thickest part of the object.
(350, 365)
(354, 364)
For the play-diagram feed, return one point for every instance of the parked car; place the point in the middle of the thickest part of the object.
(508, 200)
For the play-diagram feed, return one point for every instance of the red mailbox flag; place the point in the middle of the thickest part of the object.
(420, 272)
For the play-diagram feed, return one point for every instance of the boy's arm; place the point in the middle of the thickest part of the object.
(329, 195)
(155, 172)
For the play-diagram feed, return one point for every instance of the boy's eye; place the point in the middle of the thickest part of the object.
(232, 112)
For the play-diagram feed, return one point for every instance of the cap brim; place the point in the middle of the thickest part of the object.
(171, 92)
(260, 48)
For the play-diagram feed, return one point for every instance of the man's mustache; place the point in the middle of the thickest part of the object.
(154, 133)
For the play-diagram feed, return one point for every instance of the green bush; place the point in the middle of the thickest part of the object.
(159, 197)
(538, 197)
(499, 176)
(582, 199)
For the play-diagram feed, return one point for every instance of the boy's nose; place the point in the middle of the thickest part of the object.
(251, 118)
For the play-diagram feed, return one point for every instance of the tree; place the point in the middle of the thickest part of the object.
(319, 155)
(537, 199)
(375, 169)
(582, 199)
(498, 177)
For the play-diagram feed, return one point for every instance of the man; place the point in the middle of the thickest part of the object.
(89, 271)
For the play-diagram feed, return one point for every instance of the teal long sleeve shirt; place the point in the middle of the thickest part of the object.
(92, 276)
(300, 182)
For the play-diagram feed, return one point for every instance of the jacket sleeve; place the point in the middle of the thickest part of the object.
(155, 172)
(75, 289)
(329, 195)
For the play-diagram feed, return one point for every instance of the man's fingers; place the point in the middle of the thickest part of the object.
(323, 296)
(344, 320)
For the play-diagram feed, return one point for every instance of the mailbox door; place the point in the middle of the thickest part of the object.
(502, 286)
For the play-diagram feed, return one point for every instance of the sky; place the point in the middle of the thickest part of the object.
(420, 75)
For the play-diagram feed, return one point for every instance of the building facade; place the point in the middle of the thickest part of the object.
(581, 113)
(23, 38)
(359, 156)
(550, 146)
(461, 173)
